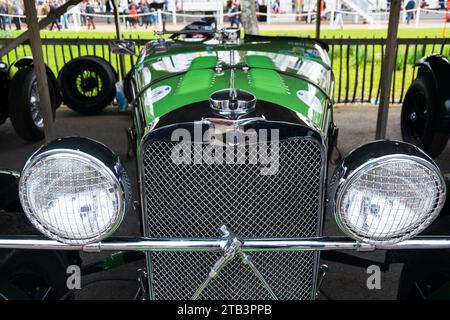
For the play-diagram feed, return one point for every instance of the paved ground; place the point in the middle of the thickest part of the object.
(357, 126)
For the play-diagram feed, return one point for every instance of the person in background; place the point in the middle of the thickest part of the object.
(234, 16)
(45, 9)
(123, 9)
(17, 10)
(53, 7)
(64, 20)
(99, 5)
(2, 17)
(276, 6)
(424, 4)
(132, 5)
(410, 5)
(82, 6)
(8, 9)
(153, 16)
(338, 16)
(90, 19)
(133, 15)
(108, 10)
(144, 9)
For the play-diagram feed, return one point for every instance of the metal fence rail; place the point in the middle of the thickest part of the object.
(356, 62)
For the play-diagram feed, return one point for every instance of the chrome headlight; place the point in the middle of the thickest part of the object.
(74, 190)
(385, 192)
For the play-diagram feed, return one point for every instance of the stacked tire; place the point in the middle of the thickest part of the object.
(87, 84)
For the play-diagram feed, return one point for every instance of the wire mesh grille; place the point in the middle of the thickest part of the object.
(391, 200)
(194, 200)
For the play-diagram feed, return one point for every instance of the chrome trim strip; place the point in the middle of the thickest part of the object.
(250, 245)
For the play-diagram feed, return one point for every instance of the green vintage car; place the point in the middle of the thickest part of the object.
(232, 138)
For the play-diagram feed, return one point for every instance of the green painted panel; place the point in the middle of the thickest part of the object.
(258, 61)
(195, 80)
(268, 80)
(203, 62)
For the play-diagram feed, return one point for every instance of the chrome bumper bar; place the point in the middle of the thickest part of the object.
(147, 244)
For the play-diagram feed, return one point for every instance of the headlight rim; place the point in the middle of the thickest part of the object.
(85, 158)
(343, 177)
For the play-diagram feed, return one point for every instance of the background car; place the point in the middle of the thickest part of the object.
(20, 98)
(425, 117)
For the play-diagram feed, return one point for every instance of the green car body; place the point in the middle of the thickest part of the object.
(293, 73)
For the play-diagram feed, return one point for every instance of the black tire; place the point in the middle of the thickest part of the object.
(20, 108)
(419, 117)
(51, 77)
(87, 84)
(127, 86)
(41, 275)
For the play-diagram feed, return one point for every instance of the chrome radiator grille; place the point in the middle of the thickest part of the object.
(194, 200)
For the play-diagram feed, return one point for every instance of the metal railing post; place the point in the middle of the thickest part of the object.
(160, 24)
(417, 16)
(174, 13)
(318, 17)
(332, 17)
(309, 11)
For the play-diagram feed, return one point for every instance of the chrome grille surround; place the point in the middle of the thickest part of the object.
(179, 201)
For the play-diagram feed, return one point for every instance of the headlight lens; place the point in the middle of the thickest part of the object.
(72, 197)
(389, 199)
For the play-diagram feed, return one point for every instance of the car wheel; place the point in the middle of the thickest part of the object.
(24, 105)
(87, 84)
(418, 117)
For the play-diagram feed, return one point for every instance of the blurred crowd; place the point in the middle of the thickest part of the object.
(143, 13)
(133, 13)
(12, 8)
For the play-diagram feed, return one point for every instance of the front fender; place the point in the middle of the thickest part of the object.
(9, 191)
(438, 67)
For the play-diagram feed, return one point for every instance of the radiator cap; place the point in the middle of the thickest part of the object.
(232, 103)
